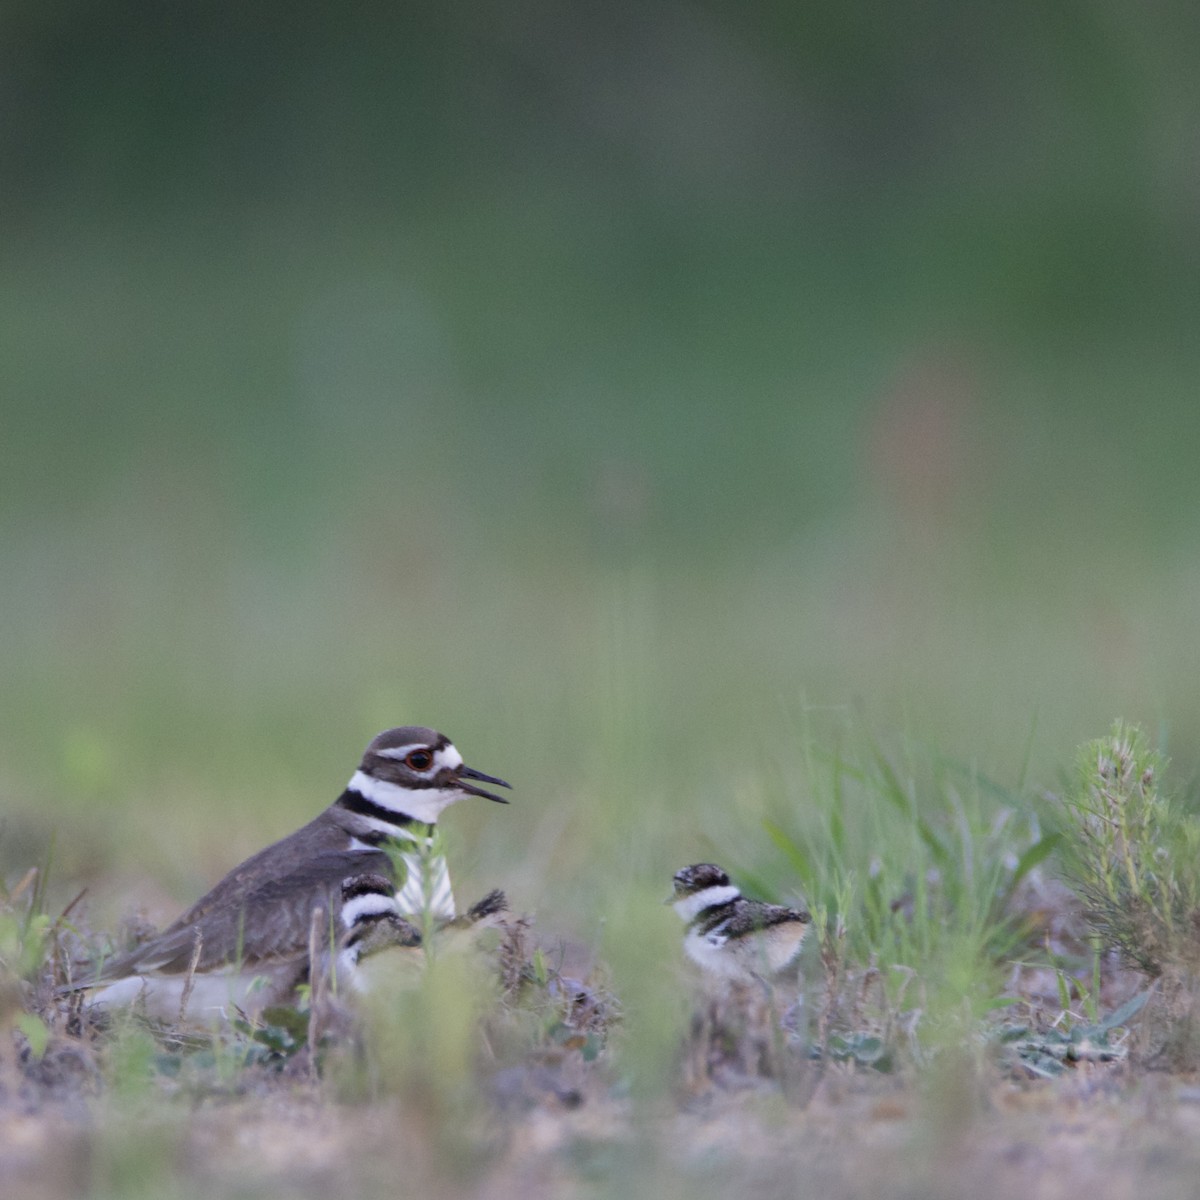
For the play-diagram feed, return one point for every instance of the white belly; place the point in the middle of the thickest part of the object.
(214, 996)
(763, 953)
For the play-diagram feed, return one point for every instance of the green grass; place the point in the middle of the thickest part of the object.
(911, 866)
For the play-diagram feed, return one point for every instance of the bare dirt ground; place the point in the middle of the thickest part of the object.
(1101, 1130)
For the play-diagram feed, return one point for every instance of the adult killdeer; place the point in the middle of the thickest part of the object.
(730, 936)
(248, 942)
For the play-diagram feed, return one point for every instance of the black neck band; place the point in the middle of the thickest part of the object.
(357, 803)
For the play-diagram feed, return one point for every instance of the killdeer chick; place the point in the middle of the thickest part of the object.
(371, 921)
(730, 936)
(247, 942)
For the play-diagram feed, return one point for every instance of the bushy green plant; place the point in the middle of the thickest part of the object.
(1131, 851)
(24, 937)
(1133, 854)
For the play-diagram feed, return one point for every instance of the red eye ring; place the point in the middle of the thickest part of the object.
(419, 760)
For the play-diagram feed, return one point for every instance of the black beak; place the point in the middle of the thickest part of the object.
(470, 773)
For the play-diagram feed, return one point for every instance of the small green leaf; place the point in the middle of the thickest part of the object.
(1014, 1033)
(1039, 851)
(289, 1020)
(1064, 990)
(1003, 1002)
(1122, 1015)
(789, 848)
(869, 1049)
(1043, 1065)
(36, 1033)
(863, 1048)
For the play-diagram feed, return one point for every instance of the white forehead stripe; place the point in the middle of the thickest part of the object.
(690, 907)
(448, 756)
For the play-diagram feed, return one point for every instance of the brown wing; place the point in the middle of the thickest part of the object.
(751, 917)
(250, 920)
(742, 916)
(318, 839)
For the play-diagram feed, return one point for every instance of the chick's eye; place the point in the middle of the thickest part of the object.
(419, 760)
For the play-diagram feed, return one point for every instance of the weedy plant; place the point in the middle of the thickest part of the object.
(1047, 1053)
(30, 948)
(1132, 853)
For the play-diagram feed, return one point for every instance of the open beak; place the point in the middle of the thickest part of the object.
(470, 773)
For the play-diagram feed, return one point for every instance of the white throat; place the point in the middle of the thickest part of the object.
(692, 906)
(423, 804)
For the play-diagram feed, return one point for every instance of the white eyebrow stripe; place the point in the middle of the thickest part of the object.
(443, 756)
(401, 752)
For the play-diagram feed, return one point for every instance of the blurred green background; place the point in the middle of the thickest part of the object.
(621, 389)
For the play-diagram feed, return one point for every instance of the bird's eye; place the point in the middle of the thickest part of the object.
(419, 760)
